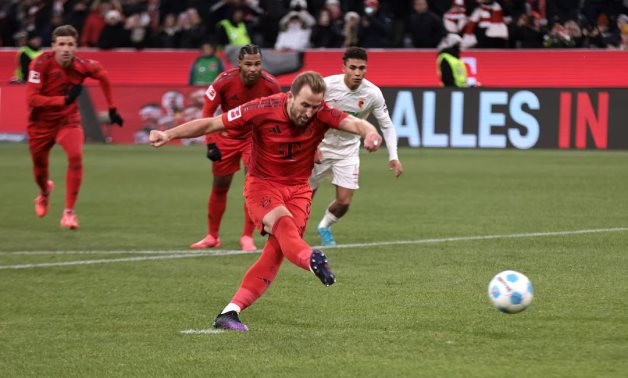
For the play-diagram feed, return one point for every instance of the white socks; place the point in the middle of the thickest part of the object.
(328, 220)
(231, 307)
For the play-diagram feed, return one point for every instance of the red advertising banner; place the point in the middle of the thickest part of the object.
(576, 68)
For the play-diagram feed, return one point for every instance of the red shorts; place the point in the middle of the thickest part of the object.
(262, 196)
(232, 151)
(43, 135)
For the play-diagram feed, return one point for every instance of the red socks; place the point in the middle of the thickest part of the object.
(260, 275)
(249, 226)
(215, 209)
(294, 248)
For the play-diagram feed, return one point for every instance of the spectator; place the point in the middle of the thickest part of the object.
(137, 25)
(323, 33)
(113, 34)
(233, 31)
(295, 32)
(527, 33)
(169, 33)
(558, 37)
(455, 19)
(78, 13)
(335, 15)
(451, 69)
(575, 33)
(192, 29)
(206, 67)
(425, 27)
(94, 23)
(375, 28)
(352, 25)
(486, 27)
(26, 54)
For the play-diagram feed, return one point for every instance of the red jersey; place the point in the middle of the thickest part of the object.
(228, 91)
(48, 83)
(282, 151)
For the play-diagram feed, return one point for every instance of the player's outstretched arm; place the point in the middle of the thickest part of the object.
(363, 128)
(190, 129)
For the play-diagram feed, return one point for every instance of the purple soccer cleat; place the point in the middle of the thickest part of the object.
(230, 322)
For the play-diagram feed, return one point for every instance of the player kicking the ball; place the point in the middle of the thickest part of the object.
(287, 129)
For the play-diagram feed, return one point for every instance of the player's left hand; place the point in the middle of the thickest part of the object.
(372, 141)
(114, 117)
(395, 165)
(158, 138)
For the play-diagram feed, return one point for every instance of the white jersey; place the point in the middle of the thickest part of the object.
(360, 103)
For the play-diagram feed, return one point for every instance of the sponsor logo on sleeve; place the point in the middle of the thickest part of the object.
(211, 93)
(234, 113)
(34, 77)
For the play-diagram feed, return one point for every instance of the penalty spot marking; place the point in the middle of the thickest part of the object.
(234, 252)
(201, 331)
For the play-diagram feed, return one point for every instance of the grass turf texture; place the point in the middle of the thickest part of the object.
(397, 310)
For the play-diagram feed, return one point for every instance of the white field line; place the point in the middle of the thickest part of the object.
(172, 254)
(201, 331)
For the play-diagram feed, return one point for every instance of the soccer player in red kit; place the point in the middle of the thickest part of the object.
(287, 129)
(54, 83)
(232, 88)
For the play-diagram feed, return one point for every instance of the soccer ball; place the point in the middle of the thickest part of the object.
(511, 292)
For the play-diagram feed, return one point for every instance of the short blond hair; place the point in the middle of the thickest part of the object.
(312, 79)
(64, 31)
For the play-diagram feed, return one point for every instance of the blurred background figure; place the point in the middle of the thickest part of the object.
(527, 32)
(206, 67)
(169, 34)
(95, 22)
(233, 31)
(455, 19)
(451, 69)
(425, 27)
(26, 53)
(486, 27)
(375, 28)
(295, 30)
(324, 33)
(352, 25)
(113, 34)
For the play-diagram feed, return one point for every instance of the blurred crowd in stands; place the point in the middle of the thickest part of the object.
(302, 24)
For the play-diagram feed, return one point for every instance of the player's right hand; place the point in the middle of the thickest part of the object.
(158, 138)
(74, 92)
(213, 152)
(372, 141)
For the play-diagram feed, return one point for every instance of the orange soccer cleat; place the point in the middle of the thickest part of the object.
(69, 220)
(207, 242)
(42, 202)
(247, 244)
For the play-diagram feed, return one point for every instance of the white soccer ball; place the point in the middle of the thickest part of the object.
(511, 292)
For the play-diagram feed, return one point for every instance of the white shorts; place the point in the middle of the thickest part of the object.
(343, 172)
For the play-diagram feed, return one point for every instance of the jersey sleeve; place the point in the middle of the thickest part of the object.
(212, 100)
(237, 120)
(96, 71)
(380, 111)
(331, 116)
(35, 84)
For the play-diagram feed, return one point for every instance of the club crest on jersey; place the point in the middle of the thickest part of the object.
(234, 113)
(361, 102)
(34, 77)
(211, 93)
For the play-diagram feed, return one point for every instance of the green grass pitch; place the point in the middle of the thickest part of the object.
(417, 309)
